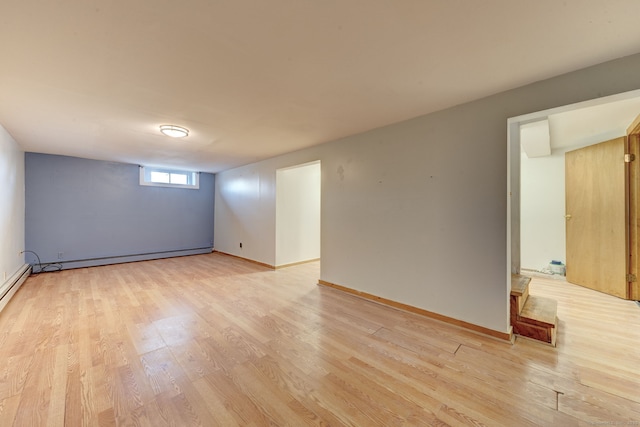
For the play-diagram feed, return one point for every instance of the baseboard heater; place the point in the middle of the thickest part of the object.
(119, 259)
(11, 286)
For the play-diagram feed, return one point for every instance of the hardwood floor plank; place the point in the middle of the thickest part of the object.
(273, 402)
(392, 407)
(145, 337)
(162, 371)
(620, 385)
(219, 415)
(107, 418)
(56, 410)
(593, 414)
(212, 340)
(238, 404)
(13, 375)
(195, 361)
(412, 343)
(33, 408)
(9, 408)
(299, 386)
(101, 391)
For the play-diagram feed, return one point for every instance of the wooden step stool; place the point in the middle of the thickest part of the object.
(532, 316)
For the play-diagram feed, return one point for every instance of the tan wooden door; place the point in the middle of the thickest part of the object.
(596, 226)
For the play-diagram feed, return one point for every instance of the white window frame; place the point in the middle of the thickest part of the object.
(193, 178)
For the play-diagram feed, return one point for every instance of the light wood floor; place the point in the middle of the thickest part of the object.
(213, 340)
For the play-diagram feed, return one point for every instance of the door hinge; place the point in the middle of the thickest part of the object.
(628, 158)
(631, 278)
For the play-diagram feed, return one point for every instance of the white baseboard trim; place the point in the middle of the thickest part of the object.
(12, 284)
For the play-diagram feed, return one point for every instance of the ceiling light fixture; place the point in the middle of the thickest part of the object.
(174, 131)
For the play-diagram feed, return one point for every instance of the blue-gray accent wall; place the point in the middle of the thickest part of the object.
(82, 212)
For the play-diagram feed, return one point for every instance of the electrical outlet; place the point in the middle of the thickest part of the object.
(60, 255)
(240, 245)
(5, 276)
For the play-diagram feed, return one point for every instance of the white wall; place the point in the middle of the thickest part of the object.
(245, 207)
(415, 212)
(542, 232)
(298, 214)
(11, 206)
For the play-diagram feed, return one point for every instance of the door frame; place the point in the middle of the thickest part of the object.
(633, 233)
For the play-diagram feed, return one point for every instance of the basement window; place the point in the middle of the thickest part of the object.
(158, 177)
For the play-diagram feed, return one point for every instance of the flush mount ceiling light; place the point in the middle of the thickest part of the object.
(174, 131)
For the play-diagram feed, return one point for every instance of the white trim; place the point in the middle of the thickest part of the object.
(12, 285)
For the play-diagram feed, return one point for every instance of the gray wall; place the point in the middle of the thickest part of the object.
(416, 212)
(96, 213)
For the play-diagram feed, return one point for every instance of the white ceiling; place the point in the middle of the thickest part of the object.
(585, 126)
(575, 126)
(253, 79)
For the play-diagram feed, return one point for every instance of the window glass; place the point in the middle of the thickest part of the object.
(157, 177)
(161, 177)
(179, 178)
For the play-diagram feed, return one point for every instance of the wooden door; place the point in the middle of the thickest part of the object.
(596, 208)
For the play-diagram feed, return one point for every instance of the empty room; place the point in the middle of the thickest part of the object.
(298, 213)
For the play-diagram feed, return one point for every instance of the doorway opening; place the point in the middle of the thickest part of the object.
(298, 191)
(536, 185)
